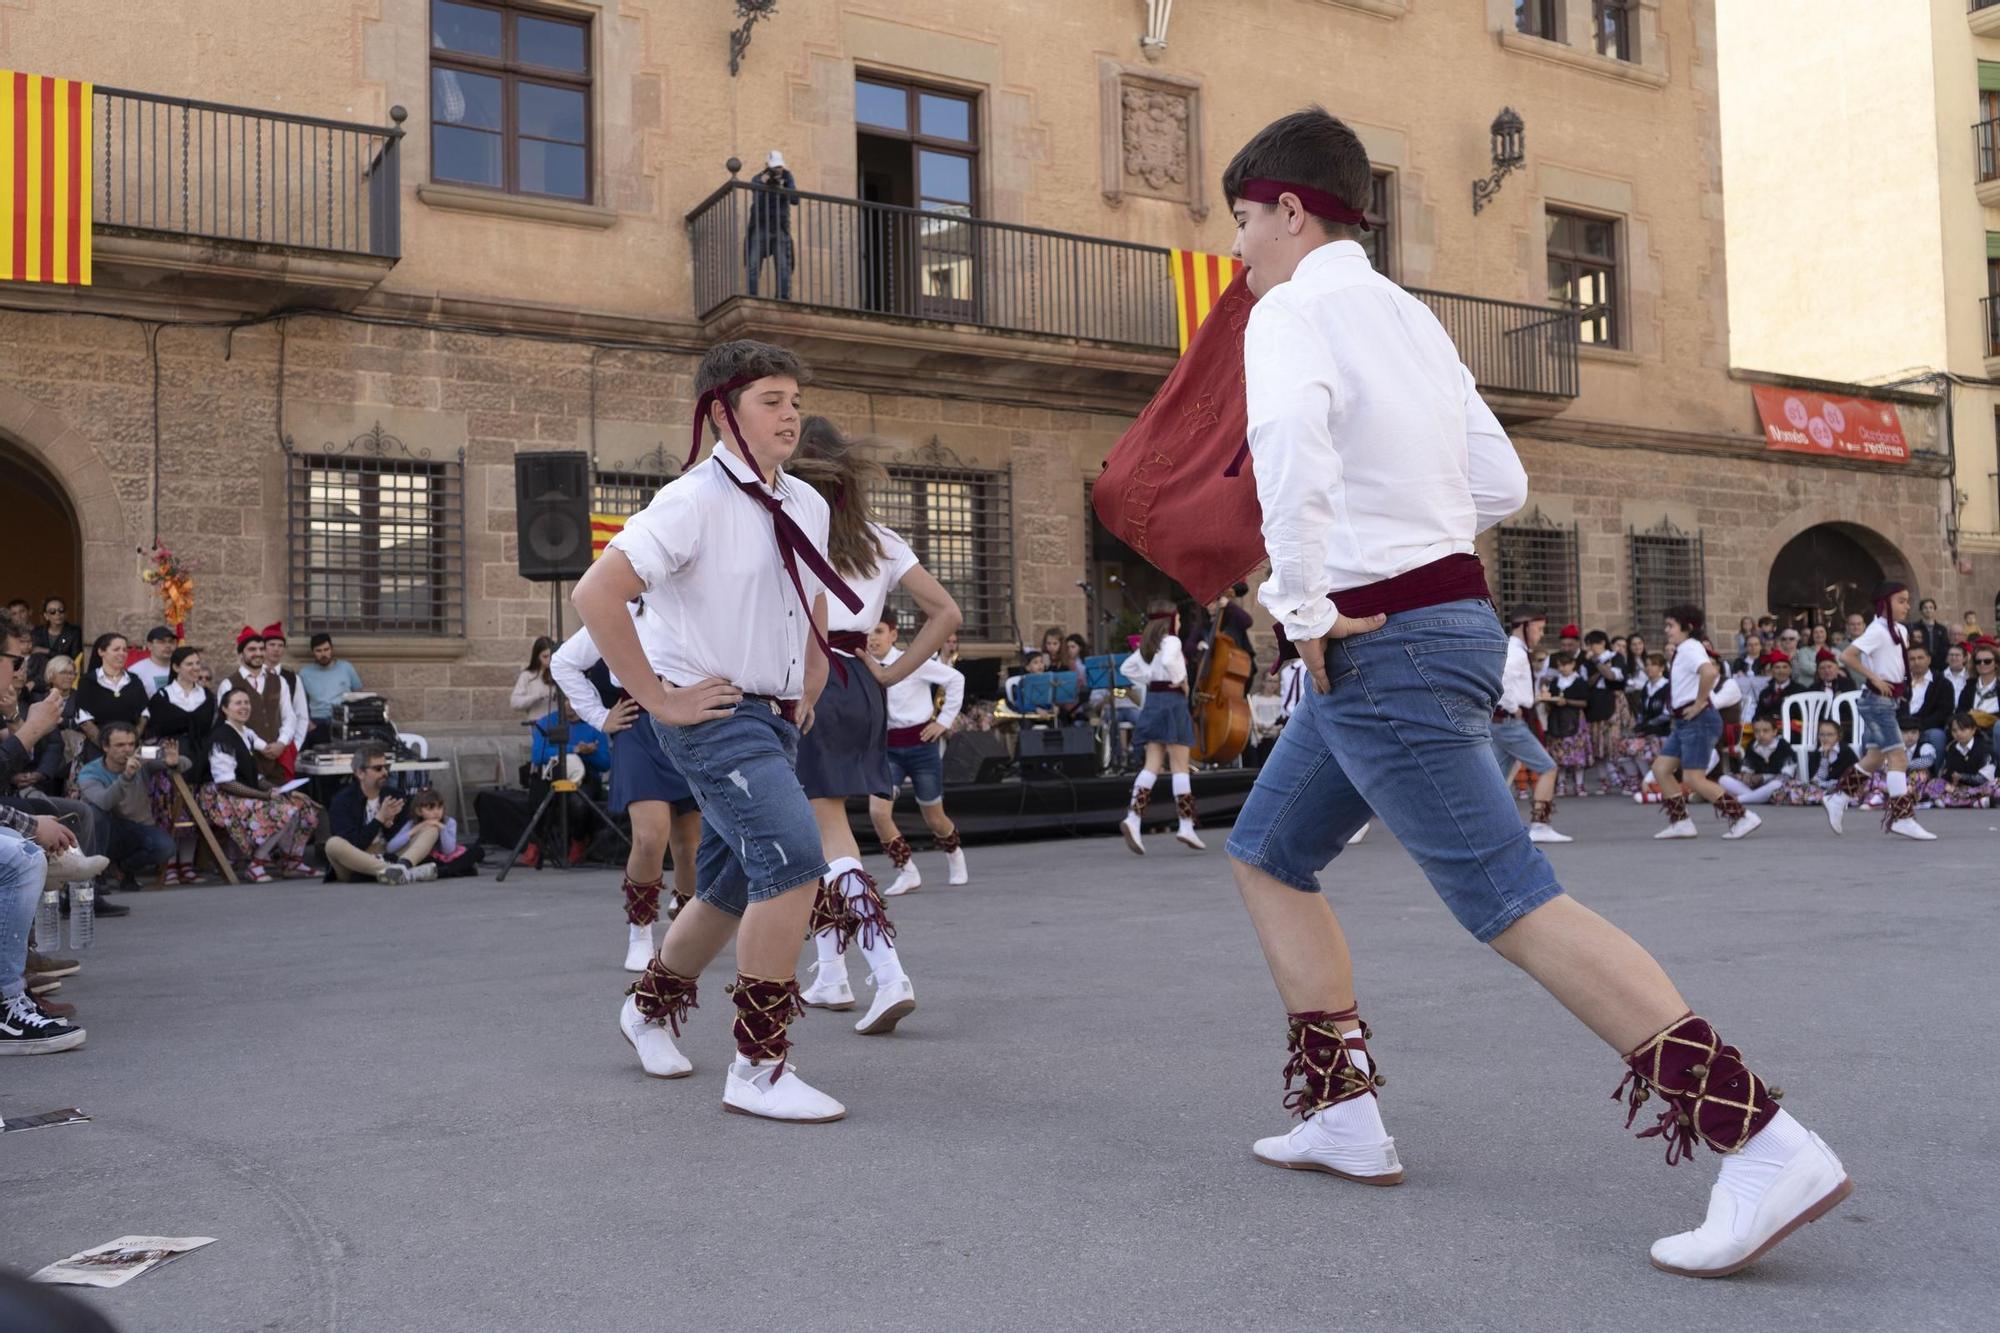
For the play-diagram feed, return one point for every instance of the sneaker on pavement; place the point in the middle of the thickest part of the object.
(1547, 833)
(1910, 828)
(1735, 1235)
(26, 1030)
(1680, 828)
(774, 1091)
(47, 965)
(894, 1001)
(955, 871)
(658, 1055)
(1836, 807)
(54, 1008)
(72, 866)
(423, 873)
(1749, 822)
(1129, 826)
(1313, 1146)
(906, 879)
(829, 989)
(395, 872)
(638, 947)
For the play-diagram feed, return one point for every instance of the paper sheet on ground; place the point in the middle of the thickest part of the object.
(69, 1115)
(117, 1263)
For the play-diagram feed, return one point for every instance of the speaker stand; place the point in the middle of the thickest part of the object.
(556, 613)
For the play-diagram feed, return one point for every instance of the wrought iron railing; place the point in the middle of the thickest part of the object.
(1982, 4)
(231, 173)
(1989, 310)
(848, 254)
(1511, 346)
(1986, 146)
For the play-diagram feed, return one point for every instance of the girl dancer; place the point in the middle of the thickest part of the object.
(846, 752)
(644, 784)
(1164, 727)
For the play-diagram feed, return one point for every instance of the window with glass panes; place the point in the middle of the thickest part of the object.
(1583, 273)
(376, 544)
(1380, 239)
(1539, 18)
(510, 99)
(919, 148)
(1615, 24)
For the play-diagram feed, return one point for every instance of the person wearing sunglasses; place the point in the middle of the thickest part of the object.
(364, 818)
(55, 636)
(1981, 695)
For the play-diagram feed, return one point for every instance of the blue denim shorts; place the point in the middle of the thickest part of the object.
(1515, 739)
(758, 835)
(1404, 733)
(923, 765)
(1881, 729)
(1694, 742)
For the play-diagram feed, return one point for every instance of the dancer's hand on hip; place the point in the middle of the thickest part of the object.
(1313, 651)
(709, 701)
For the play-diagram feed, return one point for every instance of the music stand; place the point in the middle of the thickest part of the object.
(558, 736)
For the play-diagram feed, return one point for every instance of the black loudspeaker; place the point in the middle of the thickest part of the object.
(552, 515)
(1046, 751)
(975, 756)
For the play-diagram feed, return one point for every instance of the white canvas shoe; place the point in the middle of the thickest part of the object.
(658, 1055)
(1680, 828)
(1312, 1146)
(955, 871)
(830, 989)
(906, 879)
(1546, 833)
(1910, 828)
(638, 947)
(1743, 827)
(1129, 826)
(1188, 838)
(1836, 807)
(73, 867)
(775, 1091)
(1733, 1236)
(1359, 834)
(894, 1001)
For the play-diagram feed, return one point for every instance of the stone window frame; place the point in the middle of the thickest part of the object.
(1617, 338)
(973, 560)
(1543, 18)
(1668, 565)
(510, 71)
(1112, 76)
(1625, 35)
(1382, 213)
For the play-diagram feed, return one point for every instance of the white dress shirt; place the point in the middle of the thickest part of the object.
(1517, 678)
(292, 707)
(715, 579)
(222, 764)
(910, 701)
(1373, 452)
(1920, 693)
(897, 560)
(1882, 646)
(1168, 667)
(1688, 660)
(579, 654)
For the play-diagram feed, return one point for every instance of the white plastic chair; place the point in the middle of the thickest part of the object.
(415, 742)
(1808, 709)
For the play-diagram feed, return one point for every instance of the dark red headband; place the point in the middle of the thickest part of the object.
(719, 394)
(1317, 202)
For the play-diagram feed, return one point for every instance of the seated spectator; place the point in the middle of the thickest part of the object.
(156, 667)
(25, 1027)
(1927, 703)
(429, 822)
(268, 827)
(1965, 769)
(1827, 763)
(1764, 768)
(183, 712)
(107, 693)
(55, 636)
(1957, 671)
(1981, 696)
(1655, 715)
(535, 689)
(1778, 687)
(47, 769)
(327, 680)
(1923, 756)
(118, 783)
(370, 835)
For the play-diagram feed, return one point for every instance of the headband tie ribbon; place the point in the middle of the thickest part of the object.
(1317, 202)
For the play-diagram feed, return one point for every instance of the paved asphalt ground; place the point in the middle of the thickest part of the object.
(409, 1109)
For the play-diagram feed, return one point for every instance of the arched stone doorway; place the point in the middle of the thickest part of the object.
(1831, 569)
(44, 537)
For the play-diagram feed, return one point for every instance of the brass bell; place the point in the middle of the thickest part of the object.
(1381, 1082)
(1777, 1094)
(1699, 1071)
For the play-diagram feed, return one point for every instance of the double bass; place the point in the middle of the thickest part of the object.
(1222, 702)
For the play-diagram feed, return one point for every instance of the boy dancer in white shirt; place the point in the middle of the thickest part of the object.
(1879, 655)
(917, 728)
(1376, 465)
(742, 631)
(1683, 762)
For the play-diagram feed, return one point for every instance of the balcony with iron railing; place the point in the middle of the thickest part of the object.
(1989, 315)
(901, 268)
(1984, 16)
(238, 205)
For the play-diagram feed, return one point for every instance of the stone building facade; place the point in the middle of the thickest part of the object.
(326, 417)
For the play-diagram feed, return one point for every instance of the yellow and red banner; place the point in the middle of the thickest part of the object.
(603, 527)
(1199, 280)
(45, 186)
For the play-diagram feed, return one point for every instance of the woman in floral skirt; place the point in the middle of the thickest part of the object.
(269, 828)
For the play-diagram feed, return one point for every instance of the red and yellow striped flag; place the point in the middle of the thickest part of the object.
(603, 527)
(45, 188)
(1198, 280)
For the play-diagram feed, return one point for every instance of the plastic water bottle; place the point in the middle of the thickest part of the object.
(82, 914)
(48, 919)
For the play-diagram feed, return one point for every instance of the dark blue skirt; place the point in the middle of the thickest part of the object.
(847, 751)
(1164, 720)
(641, 771)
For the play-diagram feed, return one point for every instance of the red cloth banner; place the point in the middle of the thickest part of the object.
(1802, 422)
(1163, 491)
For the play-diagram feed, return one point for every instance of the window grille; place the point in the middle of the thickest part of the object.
(375, 538)
(1667, 568)
(960, 522)
(1538, 567)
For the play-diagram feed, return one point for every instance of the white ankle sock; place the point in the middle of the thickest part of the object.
(1145, 781)
(639, 932)
(828, 944)
(1897, 784)
(1748, 1173)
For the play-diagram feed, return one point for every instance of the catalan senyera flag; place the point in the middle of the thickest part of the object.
(45, 185)
(1198, 280)
(603, 527)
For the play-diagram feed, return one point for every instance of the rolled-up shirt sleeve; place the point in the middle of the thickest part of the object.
(935, 672)
(1287, 380)
(567, 664)
(1498, 482)
(659, 538)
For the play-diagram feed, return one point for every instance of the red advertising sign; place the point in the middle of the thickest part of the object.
(1818, 423)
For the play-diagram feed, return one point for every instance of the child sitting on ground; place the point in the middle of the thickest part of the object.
(1764, 768)
(1965, 769)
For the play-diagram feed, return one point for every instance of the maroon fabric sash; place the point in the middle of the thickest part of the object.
(902, 738)
(1452, 578)
(848, 640)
